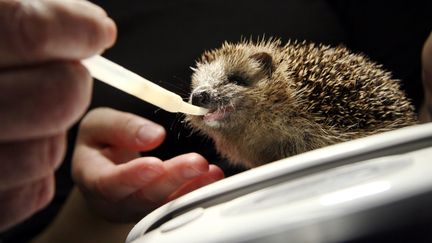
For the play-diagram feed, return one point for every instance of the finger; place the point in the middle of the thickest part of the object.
(42, 100)
(22, 162)
(114, 183)
(20, 202)
(124, 130)
(41, 30)
(179, 170)
(214, 174)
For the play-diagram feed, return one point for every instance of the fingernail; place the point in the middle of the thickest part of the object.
(190, 173)
(149, 133)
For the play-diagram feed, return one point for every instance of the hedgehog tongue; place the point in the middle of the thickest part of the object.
(218, 114)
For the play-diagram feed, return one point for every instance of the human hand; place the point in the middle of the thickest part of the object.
(118, 183)
(426, 109)
(43, 91)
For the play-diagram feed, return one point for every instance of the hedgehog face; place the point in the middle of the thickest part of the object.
(225, 85)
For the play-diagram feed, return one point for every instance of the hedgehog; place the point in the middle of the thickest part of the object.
(269, 101)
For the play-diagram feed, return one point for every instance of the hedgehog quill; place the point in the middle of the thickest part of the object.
(268, 101)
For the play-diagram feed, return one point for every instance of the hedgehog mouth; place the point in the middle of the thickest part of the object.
(216, 115)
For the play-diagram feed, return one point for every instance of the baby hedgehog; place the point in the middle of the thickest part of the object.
(268, 101)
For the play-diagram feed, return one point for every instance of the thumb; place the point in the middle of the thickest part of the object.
(45, 30)
(105, 126)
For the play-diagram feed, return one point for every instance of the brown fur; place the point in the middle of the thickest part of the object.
(286, 100)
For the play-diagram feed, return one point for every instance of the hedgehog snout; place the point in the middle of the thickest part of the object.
(201, 98)
(212, 98)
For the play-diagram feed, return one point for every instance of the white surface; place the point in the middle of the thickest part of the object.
(302, 208)
(182, 220)
(251, 219)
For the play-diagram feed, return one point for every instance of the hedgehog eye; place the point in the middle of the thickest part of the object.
(238, 80)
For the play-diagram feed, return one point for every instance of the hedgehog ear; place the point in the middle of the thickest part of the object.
(265, 60)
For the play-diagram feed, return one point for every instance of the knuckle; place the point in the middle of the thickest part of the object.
(92, 119)
(97, 111)
(92, 30)
(174, 181)
(31, 30)
(196, 157)
(131, 124)
(100, 189)
(94, 115)
(93, 37)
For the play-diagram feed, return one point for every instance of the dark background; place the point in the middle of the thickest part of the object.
(161, 39)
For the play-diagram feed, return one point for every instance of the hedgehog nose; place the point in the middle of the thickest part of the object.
(201, 98)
